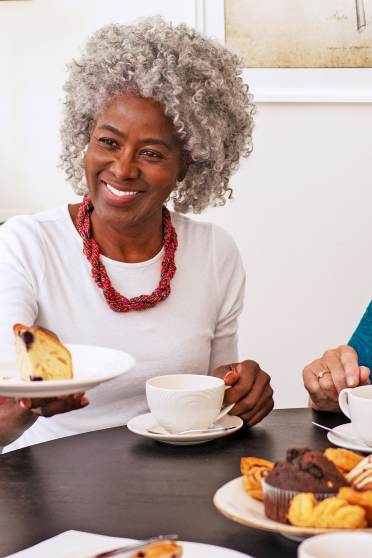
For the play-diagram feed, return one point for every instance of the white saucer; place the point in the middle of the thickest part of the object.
(139, 425)
(348, 430)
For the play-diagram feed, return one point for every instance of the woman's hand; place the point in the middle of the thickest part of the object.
(55, 405)
(325, 377)
(250, 390)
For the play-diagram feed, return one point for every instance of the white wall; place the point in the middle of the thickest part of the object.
(302, 209)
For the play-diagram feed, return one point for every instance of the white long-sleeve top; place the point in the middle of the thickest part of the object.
(45, 280)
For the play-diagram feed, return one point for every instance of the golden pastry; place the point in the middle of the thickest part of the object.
(360, 498)
(254, 470)
(301, 508)
(344, 460)
(332, 513)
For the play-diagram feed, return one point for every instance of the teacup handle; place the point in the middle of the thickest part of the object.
(343, 401)
(225, 409)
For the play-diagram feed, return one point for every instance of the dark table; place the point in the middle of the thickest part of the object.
(116, 483)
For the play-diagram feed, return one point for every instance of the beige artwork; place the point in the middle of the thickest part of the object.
(300, 33)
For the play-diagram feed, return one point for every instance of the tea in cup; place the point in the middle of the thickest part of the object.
(186, 401)
(356, 404)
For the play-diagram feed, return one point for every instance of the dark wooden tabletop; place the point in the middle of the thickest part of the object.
(116, 483)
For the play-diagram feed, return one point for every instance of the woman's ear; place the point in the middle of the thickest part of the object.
(186, 161)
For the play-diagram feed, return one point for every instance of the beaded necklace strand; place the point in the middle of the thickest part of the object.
(116, 301)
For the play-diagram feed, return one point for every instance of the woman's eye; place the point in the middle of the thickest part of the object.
(152, 154)
(108, 141)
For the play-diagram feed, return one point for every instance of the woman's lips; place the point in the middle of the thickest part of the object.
(119, 196)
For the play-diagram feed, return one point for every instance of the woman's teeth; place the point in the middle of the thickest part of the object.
(120, 193)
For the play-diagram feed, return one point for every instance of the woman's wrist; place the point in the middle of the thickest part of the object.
(14, 420)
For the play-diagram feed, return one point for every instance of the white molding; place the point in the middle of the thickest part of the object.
(299, 85)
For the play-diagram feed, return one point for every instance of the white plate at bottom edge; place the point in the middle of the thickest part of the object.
(349, 431)
(139, 425)
(234, 502)
(78, 544)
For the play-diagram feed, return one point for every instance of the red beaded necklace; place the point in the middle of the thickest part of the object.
(116, 301)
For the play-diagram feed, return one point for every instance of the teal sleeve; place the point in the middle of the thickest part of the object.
(361, 340)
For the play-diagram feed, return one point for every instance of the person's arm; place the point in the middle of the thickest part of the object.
(250, 386)
(20, 253)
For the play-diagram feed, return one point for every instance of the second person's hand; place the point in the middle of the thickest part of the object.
(325, 377)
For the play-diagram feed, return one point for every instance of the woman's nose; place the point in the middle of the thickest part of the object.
(124, 167)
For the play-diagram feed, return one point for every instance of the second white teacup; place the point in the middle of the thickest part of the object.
(337, 545)
(186, 401)
(356, 404)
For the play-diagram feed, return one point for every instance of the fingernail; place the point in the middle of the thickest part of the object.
(350, 381)
(84, 402)
(229, 375)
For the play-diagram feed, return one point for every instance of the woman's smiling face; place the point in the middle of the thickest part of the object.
(133, 161)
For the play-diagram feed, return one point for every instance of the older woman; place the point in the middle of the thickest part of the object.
(346, 366)
(153, 113)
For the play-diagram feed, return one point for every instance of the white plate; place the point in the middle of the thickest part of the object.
(77, 544)
(139, 425)
(91, 366)
(234, 502)
(348, 430)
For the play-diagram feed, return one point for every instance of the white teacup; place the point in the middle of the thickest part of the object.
(186, 401)
(356, 404)
(337, 545)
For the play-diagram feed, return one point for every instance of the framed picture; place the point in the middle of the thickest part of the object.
(297, 50)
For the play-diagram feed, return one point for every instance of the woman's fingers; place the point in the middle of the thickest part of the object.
(250, 389)
(349, 360)
(365, 375)
(333, 367)
(253, 418)
(55, 405)
(246, 373)
(325, 377)
(252, 398)
(321, 392)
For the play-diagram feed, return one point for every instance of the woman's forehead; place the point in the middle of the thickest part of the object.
(131, 111)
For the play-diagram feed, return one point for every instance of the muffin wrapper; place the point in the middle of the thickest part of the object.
(277, 500)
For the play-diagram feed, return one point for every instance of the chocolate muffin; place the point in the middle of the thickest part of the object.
(303, 470)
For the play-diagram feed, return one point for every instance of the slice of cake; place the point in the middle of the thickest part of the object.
(40, 356)
(165, 549)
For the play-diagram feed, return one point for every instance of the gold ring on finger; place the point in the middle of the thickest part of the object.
(322, 373)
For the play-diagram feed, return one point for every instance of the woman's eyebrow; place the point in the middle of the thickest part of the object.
(111, 128)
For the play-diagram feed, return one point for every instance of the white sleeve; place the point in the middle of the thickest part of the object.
(21, 262)
(230, 284)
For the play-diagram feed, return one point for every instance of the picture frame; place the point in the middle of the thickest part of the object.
(303, 85)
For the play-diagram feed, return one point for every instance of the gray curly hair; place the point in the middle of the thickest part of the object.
(195, 79)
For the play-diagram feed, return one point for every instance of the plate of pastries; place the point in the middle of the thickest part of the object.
(40, 365)
(307, 493)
